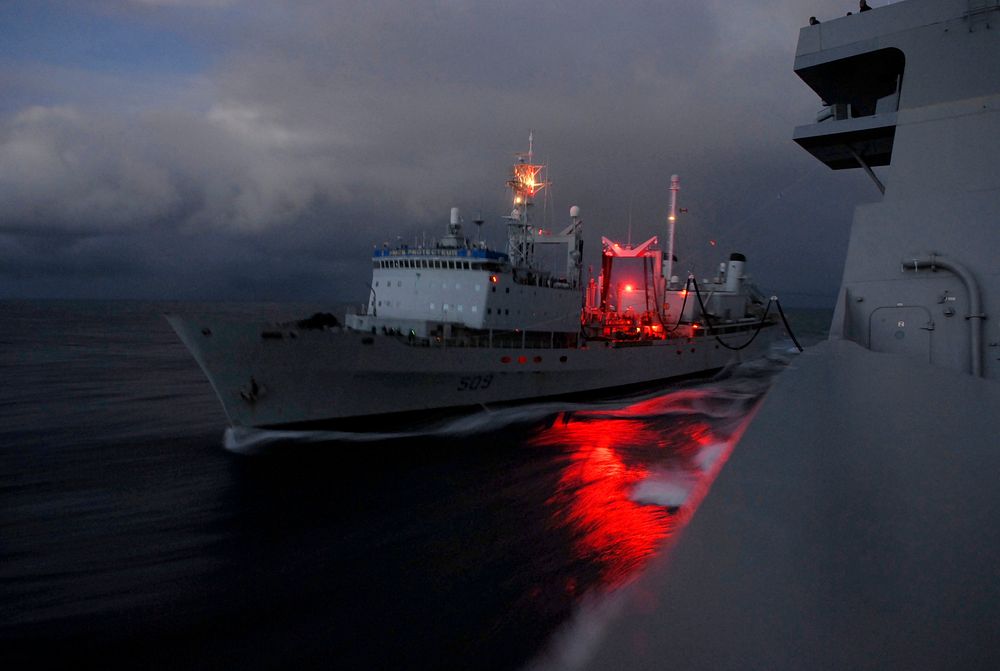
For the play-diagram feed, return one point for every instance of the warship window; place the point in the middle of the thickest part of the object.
(478, 287)
(562, 359)
(506, 312)
(432, 306)
(457, 285)
(399, 283)
(376, 282)
(475, 309)
(537, 359)
(507, 290)
(505, 359)
(489, 311)
(459, 308)
(445, 307)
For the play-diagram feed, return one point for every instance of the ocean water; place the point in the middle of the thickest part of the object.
(135, 531)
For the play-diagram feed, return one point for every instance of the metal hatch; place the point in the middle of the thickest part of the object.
(901, 329)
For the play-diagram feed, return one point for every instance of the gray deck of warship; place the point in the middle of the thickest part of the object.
(856, 524)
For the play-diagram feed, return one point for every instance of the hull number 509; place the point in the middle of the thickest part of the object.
(474, 382)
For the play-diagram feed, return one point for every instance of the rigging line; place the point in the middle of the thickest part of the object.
(645, 281)
(680, 315)
(788, 329)
(712, 327)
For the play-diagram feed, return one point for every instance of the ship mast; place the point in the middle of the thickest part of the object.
(675, 186)
(525, 183)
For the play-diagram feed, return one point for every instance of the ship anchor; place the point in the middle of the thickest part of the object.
(255, 391)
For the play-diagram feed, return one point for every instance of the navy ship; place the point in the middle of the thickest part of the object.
(456, 325)
(855, 524)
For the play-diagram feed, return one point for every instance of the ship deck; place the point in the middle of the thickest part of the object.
(850, 529)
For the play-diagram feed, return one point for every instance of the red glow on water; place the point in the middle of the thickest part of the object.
(655, 443)
(593, 496)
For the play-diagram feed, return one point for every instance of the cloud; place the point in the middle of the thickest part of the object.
(211, 4)
(377, 117)
(64, 170)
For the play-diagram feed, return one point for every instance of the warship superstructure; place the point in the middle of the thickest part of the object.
(855, 524)
(455, 325)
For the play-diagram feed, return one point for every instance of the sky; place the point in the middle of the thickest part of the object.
(257, 150)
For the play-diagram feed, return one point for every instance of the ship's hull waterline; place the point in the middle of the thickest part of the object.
(268, 376)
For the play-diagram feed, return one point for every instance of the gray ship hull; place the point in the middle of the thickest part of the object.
(270, 376)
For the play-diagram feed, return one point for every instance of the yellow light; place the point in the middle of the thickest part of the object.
(672, 218)
(628, 288)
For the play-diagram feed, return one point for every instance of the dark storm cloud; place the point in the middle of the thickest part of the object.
(320, 128)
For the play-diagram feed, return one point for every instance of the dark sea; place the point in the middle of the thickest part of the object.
(135, 531)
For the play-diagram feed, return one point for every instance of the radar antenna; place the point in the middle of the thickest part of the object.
(525, 182)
